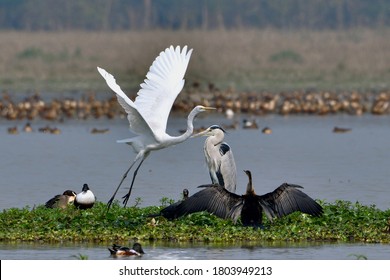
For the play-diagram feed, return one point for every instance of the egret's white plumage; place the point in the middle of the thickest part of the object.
(148, 114)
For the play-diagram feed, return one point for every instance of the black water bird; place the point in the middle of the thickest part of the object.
(169, 212)
(284, 200)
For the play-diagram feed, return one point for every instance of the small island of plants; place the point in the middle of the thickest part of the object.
(342, 221)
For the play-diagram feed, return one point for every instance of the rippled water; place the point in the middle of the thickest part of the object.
(303, 150)
(187, 251)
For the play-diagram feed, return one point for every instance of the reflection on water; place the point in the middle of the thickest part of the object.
(351, 166)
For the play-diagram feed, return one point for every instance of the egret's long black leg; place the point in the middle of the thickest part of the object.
(123, 178)
(127, 196)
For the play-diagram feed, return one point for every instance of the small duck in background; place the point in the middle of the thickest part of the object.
(266, 130)
(117, 250)
(27, 128)
(61, 200)
(99, 131)
(250, 124)
(85, 199)
(337, 129)
(229, 113)
(13, 130)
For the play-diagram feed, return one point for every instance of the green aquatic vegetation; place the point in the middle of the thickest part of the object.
(80, 257)
(342, 221)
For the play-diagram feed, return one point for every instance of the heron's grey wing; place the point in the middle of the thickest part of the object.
(137, 122)
(212, 198)
(163, 83)
(227, 169)
(288, 198)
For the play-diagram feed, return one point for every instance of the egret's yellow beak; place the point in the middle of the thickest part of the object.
(202, 133)
(209, 108)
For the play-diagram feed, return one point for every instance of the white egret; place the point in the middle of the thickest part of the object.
(148, 114)
(219, 158)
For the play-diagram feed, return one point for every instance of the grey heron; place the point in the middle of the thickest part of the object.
(148, 114)
(219, 158)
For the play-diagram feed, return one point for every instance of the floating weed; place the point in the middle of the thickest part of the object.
(80, 257)
(342, 221)
(358, 257)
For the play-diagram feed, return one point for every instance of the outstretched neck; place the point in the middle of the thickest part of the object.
(249, 188)
(190, 127)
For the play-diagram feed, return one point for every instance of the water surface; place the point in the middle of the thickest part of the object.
(302, 150)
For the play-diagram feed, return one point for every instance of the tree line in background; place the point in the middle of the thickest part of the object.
(56, 15)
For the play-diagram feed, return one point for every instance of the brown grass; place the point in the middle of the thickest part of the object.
(252, 60)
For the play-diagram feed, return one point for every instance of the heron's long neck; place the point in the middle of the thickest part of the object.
(190, 127)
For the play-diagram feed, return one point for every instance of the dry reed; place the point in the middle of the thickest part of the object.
(252, 60)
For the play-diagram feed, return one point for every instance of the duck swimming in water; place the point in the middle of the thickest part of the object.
(284, 200)
(117, 250)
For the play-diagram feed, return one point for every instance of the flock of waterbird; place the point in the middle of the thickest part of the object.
(148, 116)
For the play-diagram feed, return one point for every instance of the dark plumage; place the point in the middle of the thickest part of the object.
(61, 200)
(169, 212)
(215, 199)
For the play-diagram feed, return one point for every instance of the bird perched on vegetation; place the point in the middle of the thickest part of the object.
(117, 250)
(148, 114)
(284, 200)
(85, 199)
(61, 200)
(219, 158)
(169, 212)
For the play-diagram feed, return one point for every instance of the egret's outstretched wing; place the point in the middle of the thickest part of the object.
(137, 123)
(163, 84)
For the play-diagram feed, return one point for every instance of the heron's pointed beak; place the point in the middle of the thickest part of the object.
(210, 108)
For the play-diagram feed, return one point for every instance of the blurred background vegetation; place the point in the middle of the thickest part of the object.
(192, 14)
(49, 45)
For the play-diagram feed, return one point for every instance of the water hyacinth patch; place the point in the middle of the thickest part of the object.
(342, 221)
